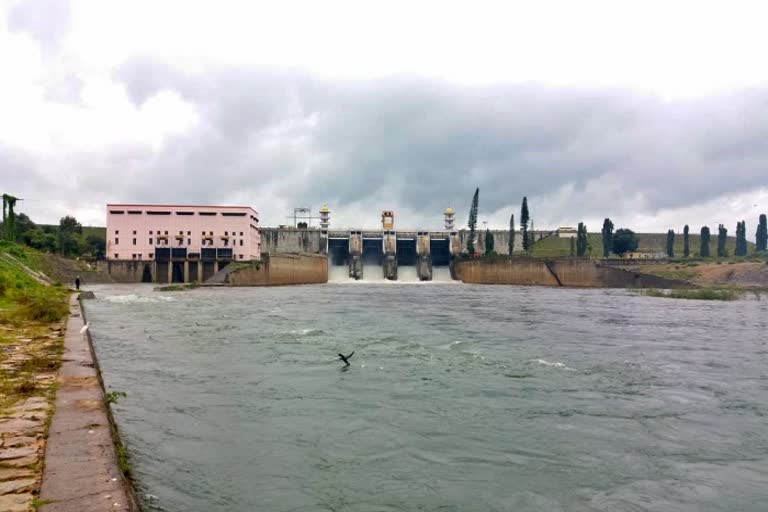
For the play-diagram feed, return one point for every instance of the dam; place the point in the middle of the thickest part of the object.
(391, 255)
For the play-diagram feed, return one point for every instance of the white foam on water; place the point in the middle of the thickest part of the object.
(555, 364)
(137, 299)
(442, 275)
(407, 274)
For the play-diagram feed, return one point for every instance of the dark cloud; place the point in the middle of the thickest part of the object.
(45, 20)
(277, 139)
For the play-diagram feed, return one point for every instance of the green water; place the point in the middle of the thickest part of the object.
(459, 398)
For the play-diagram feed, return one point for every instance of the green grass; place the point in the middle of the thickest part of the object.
(22, 298)
(696, 293)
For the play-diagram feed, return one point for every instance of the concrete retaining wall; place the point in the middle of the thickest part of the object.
(571, 272)
(522, 271)
(129, 271)
(280, 269)
(290, 240)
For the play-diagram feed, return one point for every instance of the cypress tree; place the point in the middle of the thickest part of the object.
(741, 239)
(671, 243)
(581, 240)
(489, 242)
(761, 237)
(524, 218)
(722, 237)
(472, 224)
(607, 237)
(686, 246)
(704, 250)
(511, 234)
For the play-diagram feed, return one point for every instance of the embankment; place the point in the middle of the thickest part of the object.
(571, 272)
(278, 270)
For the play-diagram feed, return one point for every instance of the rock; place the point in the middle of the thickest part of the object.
(22, 462)
(87, 295)
(15, 473)
(16, 486)
(15, 502)
(20, 425)
(16, 441)
(16, 453)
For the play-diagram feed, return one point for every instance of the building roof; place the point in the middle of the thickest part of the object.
(147, 205)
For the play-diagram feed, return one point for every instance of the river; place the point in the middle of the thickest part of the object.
(458, 398)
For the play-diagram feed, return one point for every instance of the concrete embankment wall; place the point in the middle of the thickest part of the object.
(571, 272)
(522, 271)
(280, 269)
(122, 271)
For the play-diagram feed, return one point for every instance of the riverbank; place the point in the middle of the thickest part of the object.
(739, 274)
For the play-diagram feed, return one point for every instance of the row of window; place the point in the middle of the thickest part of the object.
(151, 255)
(164, 241)
(226, 233)
(204, 214)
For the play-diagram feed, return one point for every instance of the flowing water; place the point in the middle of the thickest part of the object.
(459, 398)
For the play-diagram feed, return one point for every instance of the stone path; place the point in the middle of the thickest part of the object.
(29, 356)
(81, 470)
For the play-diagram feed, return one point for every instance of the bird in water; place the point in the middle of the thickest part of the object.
(344, 358)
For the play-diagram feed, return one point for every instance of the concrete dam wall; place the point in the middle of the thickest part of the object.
(279, 270)
(571, 272)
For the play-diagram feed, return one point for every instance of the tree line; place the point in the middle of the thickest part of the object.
(620, 241)
(67, 239)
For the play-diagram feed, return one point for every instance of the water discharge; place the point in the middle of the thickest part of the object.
(476, 398)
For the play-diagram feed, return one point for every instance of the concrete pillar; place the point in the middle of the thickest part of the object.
(186, 271)
(356, 254)
(170, 271)
(154, 271)
(216, 267)
(424, 253)
(454, 245)
(389, 266)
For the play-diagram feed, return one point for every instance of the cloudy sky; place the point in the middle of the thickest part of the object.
(652, 113)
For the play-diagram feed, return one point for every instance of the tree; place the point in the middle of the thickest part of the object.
(40, 239)
(511, 246)
(741, 239)
(69, 240)
(704, 250)
(524, 218)
(671, 243)
(607, 237)
(96, 246)
(686, 247)
(489, 243)
(722, 237)
(473, 222)
(23, 224)
(581, 240)
(624, 240)
(573, 247)
(761, 237)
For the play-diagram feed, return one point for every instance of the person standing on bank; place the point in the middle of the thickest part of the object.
(77, 283)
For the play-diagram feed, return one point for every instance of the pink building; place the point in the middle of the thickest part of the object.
(167, 235)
